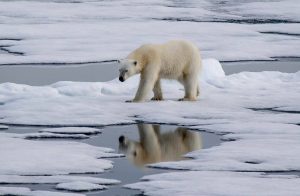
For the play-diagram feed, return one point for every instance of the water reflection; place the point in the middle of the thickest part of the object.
(155, 145)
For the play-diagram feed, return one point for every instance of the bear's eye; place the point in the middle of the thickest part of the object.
(126, 71)
(134, 153)
(134, 62)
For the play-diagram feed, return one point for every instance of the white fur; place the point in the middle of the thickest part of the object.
(179, 60)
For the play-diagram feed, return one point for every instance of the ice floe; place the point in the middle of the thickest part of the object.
(246, 108)
(27, 157)
(23, 191)
(54, 179)
(72, 130)
(80, 186)
(45, 135)
(3, 127)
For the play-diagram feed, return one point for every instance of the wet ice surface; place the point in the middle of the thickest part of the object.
(125, 169)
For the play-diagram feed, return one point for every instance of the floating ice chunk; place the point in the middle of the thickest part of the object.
(217, 183)
(53, 193)
(27, 157)
(53, 136)
(72, 130)
(17, 179)
(80, 186)
(3, 127)
(14, 190)
(44, 135)
(23, 191)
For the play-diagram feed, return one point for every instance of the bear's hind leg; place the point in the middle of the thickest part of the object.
(190, 87)
(198, 90)
(157, 91)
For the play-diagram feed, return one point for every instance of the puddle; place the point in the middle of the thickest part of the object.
(142, 144)
(99, 72)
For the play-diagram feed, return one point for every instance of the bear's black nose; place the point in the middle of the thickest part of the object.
(121, 79)
(121, 139)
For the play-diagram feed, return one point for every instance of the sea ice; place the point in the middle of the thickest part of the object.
(94, 31)
(3, 127)
(217, 183)
(23, 191)
(54, 179)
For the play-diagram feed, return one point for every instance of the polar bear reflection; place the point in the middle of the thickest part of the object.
(155, 146)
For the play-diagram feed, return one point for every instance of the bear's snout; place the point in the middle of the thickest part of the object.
(121, 79)
(121, 139)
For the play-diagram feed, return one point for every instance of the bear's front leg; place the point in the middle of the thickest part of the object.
(157, 92)
(145, 86)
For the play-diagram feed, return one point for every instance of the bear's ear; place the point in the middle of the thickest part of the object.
(134, 62)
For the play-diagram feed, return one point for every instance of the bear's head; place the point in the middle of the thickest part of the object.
(133, 150)
(128, 68)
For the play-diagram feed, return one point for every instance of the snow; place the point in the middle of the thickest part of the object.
(94, 31)
(218, 183)
(79, 186)
(72, 130)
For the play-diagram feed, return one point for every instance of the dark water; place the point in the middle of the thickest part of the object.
(45, 75)
(287, 65)
(95, 72)
(138, 140)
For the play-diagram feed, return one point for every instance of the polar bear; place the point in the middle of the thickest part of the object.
(178, 59)
(157, 146)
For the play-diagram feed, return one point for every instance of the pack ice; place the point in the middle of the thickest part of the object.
(50, 31)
